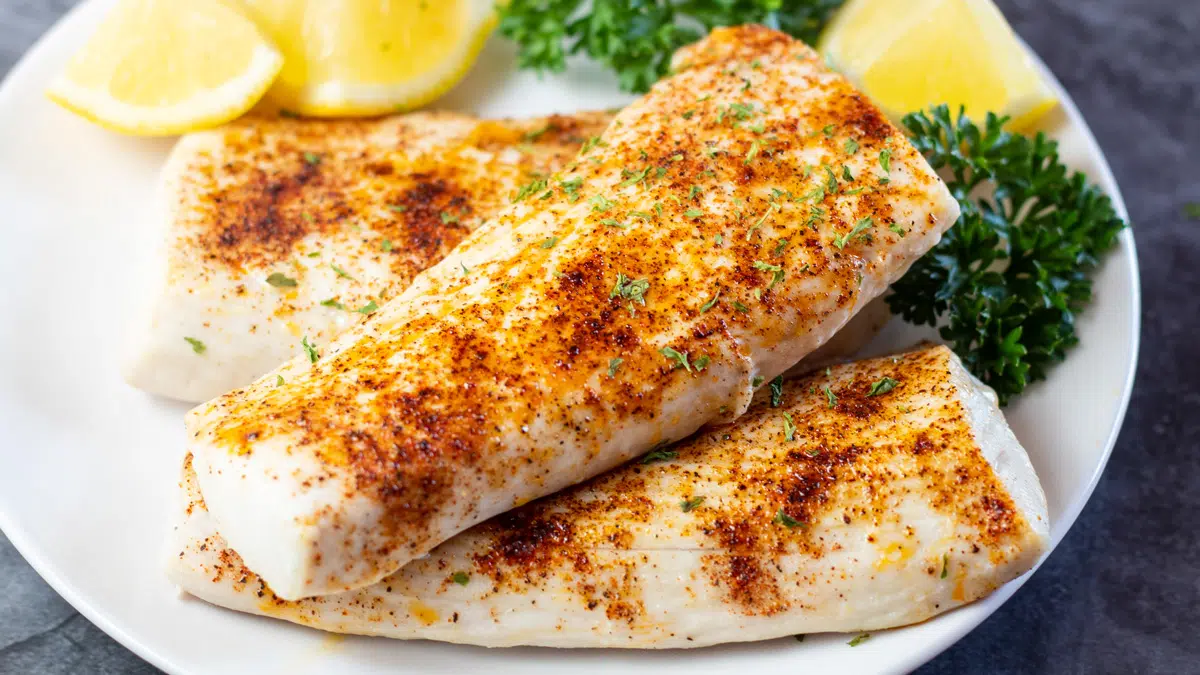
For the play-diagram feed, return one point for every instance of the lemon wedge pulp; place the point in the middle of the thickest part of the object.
(159, 67)
(368, 57)
(909, 55)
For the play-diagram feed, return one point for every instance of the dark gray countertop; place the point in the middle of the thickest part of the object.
(1122, 592)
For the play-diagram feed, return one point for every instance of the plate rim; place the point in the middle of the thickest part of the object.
(49, 572)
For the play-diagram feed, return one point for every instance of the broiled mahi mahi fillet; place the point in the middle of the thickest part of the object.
(279, 229)
(838, 510)
(723, 227)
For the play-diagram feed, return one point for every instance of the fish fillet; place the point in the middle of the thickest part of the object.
(881, 511)
(723, 227)
(344, 214)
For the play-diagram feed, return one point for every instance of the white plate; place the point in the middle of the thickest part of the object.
(87, 464)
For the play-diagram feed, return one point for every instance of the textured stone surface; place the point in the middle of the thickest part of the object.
(1122, 593)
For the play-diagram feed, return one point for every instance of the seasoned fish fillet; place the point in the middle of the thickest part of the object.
(722, 227)
(880, 511)
(279, 229)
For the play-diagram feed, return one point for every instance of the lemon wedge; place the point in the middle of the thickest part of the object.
(368, 57)
(159, 67)
(909, 55)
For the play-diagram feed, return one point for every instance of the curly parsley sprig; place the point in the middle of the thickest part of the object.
(635, 38)
(1006, 281)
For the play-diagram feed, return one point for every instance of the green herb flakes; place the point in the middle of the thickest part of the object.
(882, 386)
(691, 504)
(281, 280)
(782, 518)
(859, 228)
(777, 392)
(197, 346)
(310, 350)
(680, 358)
(658, 455)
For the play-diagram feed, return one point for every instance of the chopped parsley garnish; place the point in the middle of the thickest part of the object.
(831, 179)
(530, 136)
(640, 214)
(590, 143)
(882, 386)
(549, 242)
(945, 564)
(571, 187)
(367, 308)
(466, 270)
(448, 217)
(770, 209)
(777, 392)
(829, 396)
(658, 455)
(753, 152)
(828, 130)
(1192, 210)
(851, 146)
(846, 175)
(687, 114)
(385, 245)
(885, 160)
(718, 239)
(695, 190)
(711, 303)
(600, 204)
(197, 346)
(340, 272)
(332, 302)
(756, 381)
(634, 177)
(693, 213)
(461, 578)
(278, 380)
(701, 363)
(633, 290)
(779, 247)
(312, 158)
(690, 504)
(782, 518)
(859, 227)
(310, 350)
(536, 185)
(777, 271)
(859, 640)
(613, 364)
(612, 222)
(281, 280)
(895, 227)
(789, 427)
(740, 307)
(680, 358)
(398, 208)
